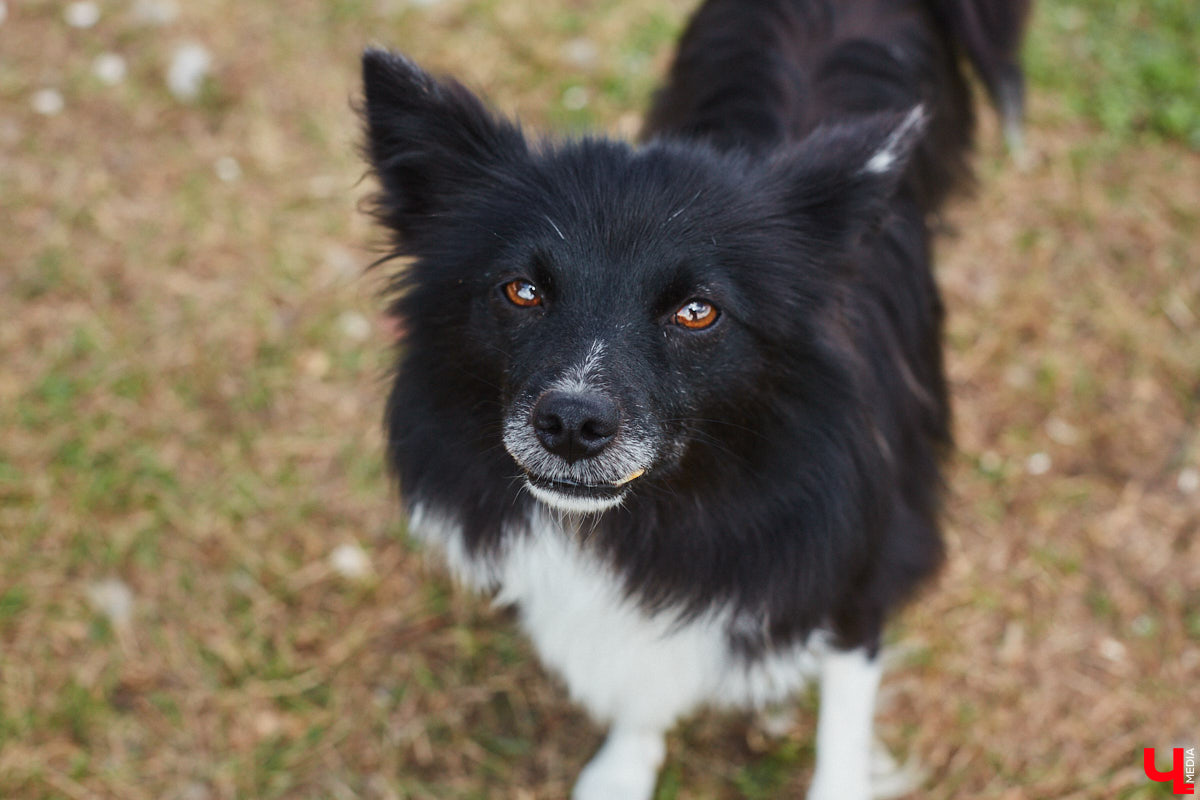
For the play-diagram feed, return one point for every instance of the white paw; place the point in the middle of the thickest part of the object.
(626, 768)
(886, 779)
(839, 787)
(627, 785)
(889, 778)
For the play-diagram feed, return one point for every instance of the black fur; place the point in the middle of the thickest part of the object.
(807, 426)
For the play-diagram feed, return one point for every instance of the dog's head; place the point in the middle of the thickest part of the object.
(617, 312)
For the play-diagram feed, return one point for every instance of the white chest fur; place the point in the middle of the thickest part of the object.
(622, 664)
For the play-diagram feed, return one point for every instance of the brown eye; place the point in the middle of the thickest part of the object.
(696, 314)
(522, 293)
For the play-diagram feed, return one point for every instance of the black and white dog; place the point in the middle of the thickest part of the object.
(682, 403)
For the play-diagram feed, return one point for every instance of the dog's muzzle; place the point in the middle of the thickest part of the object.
(578, 452)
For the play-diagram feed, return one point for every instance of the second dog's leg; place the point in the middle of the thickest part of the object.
(849, 681)
(625, 768)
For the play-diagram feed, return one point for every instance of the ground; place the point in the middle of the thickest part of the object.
(205, 590)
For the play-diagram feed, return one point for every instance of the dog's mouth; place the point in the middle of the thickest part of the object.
(575, 496)
(576, 487)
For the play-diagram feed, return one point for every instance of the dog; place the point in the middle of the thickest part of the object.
(682, 403)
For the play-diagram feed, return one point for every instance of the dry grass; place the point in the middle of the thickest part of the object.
(189, 400)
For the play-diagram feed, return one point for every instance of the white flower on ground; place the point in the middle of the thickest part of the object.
(1038, 464)
(83, 14)
(155, 12)
(350, 561)
(576, 98)
(354, 326)
(228, 169)
(1062, 431)
(112, 598)
(190, 65)
(1018, 376)
(581, 52)
(1111, 649)
(109, 68)
(341, 263)
(1189, 480)
(47, 102)
(316, 363)
(3, 10)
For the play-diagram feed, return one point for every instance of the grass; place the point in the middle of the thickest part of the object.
(1131, 68)
(189, 408)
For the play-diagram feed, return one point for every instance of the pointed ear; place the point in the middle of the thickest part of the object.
(428, 141)
(842, 177)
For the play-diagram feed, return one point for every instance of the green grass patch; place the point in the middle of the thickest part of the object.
(1130, 67)
(12, 602)
(767, 778)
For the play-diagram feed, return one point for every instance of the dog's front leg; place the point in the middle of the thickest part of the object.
(849, 682)
(625, 768)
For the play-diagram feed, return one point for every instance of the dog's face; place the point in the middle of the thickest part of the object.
(617, 310)
(623, 307)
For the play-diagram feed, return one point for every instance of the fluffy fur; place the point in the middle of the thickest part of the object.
(741, 505)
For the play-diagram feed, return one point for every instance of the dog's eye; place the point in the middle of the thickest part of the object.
(696, 314)
(522, 293)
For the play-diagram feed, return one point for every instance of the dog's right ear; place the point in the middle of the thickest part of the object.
(429, 141)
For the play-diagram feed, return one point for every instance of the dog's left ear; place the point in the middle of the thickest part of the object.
(841, 178)
(430, 142)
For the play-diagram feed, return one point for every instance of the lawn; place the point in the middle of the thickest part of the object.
(205, 587)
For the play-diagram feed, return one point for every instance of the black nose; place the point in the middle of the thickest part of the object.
(575, 426)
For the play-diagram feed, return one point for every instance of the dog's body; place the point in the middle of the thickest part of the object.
(683, 404)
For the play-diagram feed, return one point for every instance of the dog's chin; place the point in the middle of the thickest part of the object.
(573, 502)
(574, 498)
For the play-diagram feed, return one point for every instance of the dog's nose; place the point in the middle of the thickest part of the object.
(575, 426)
